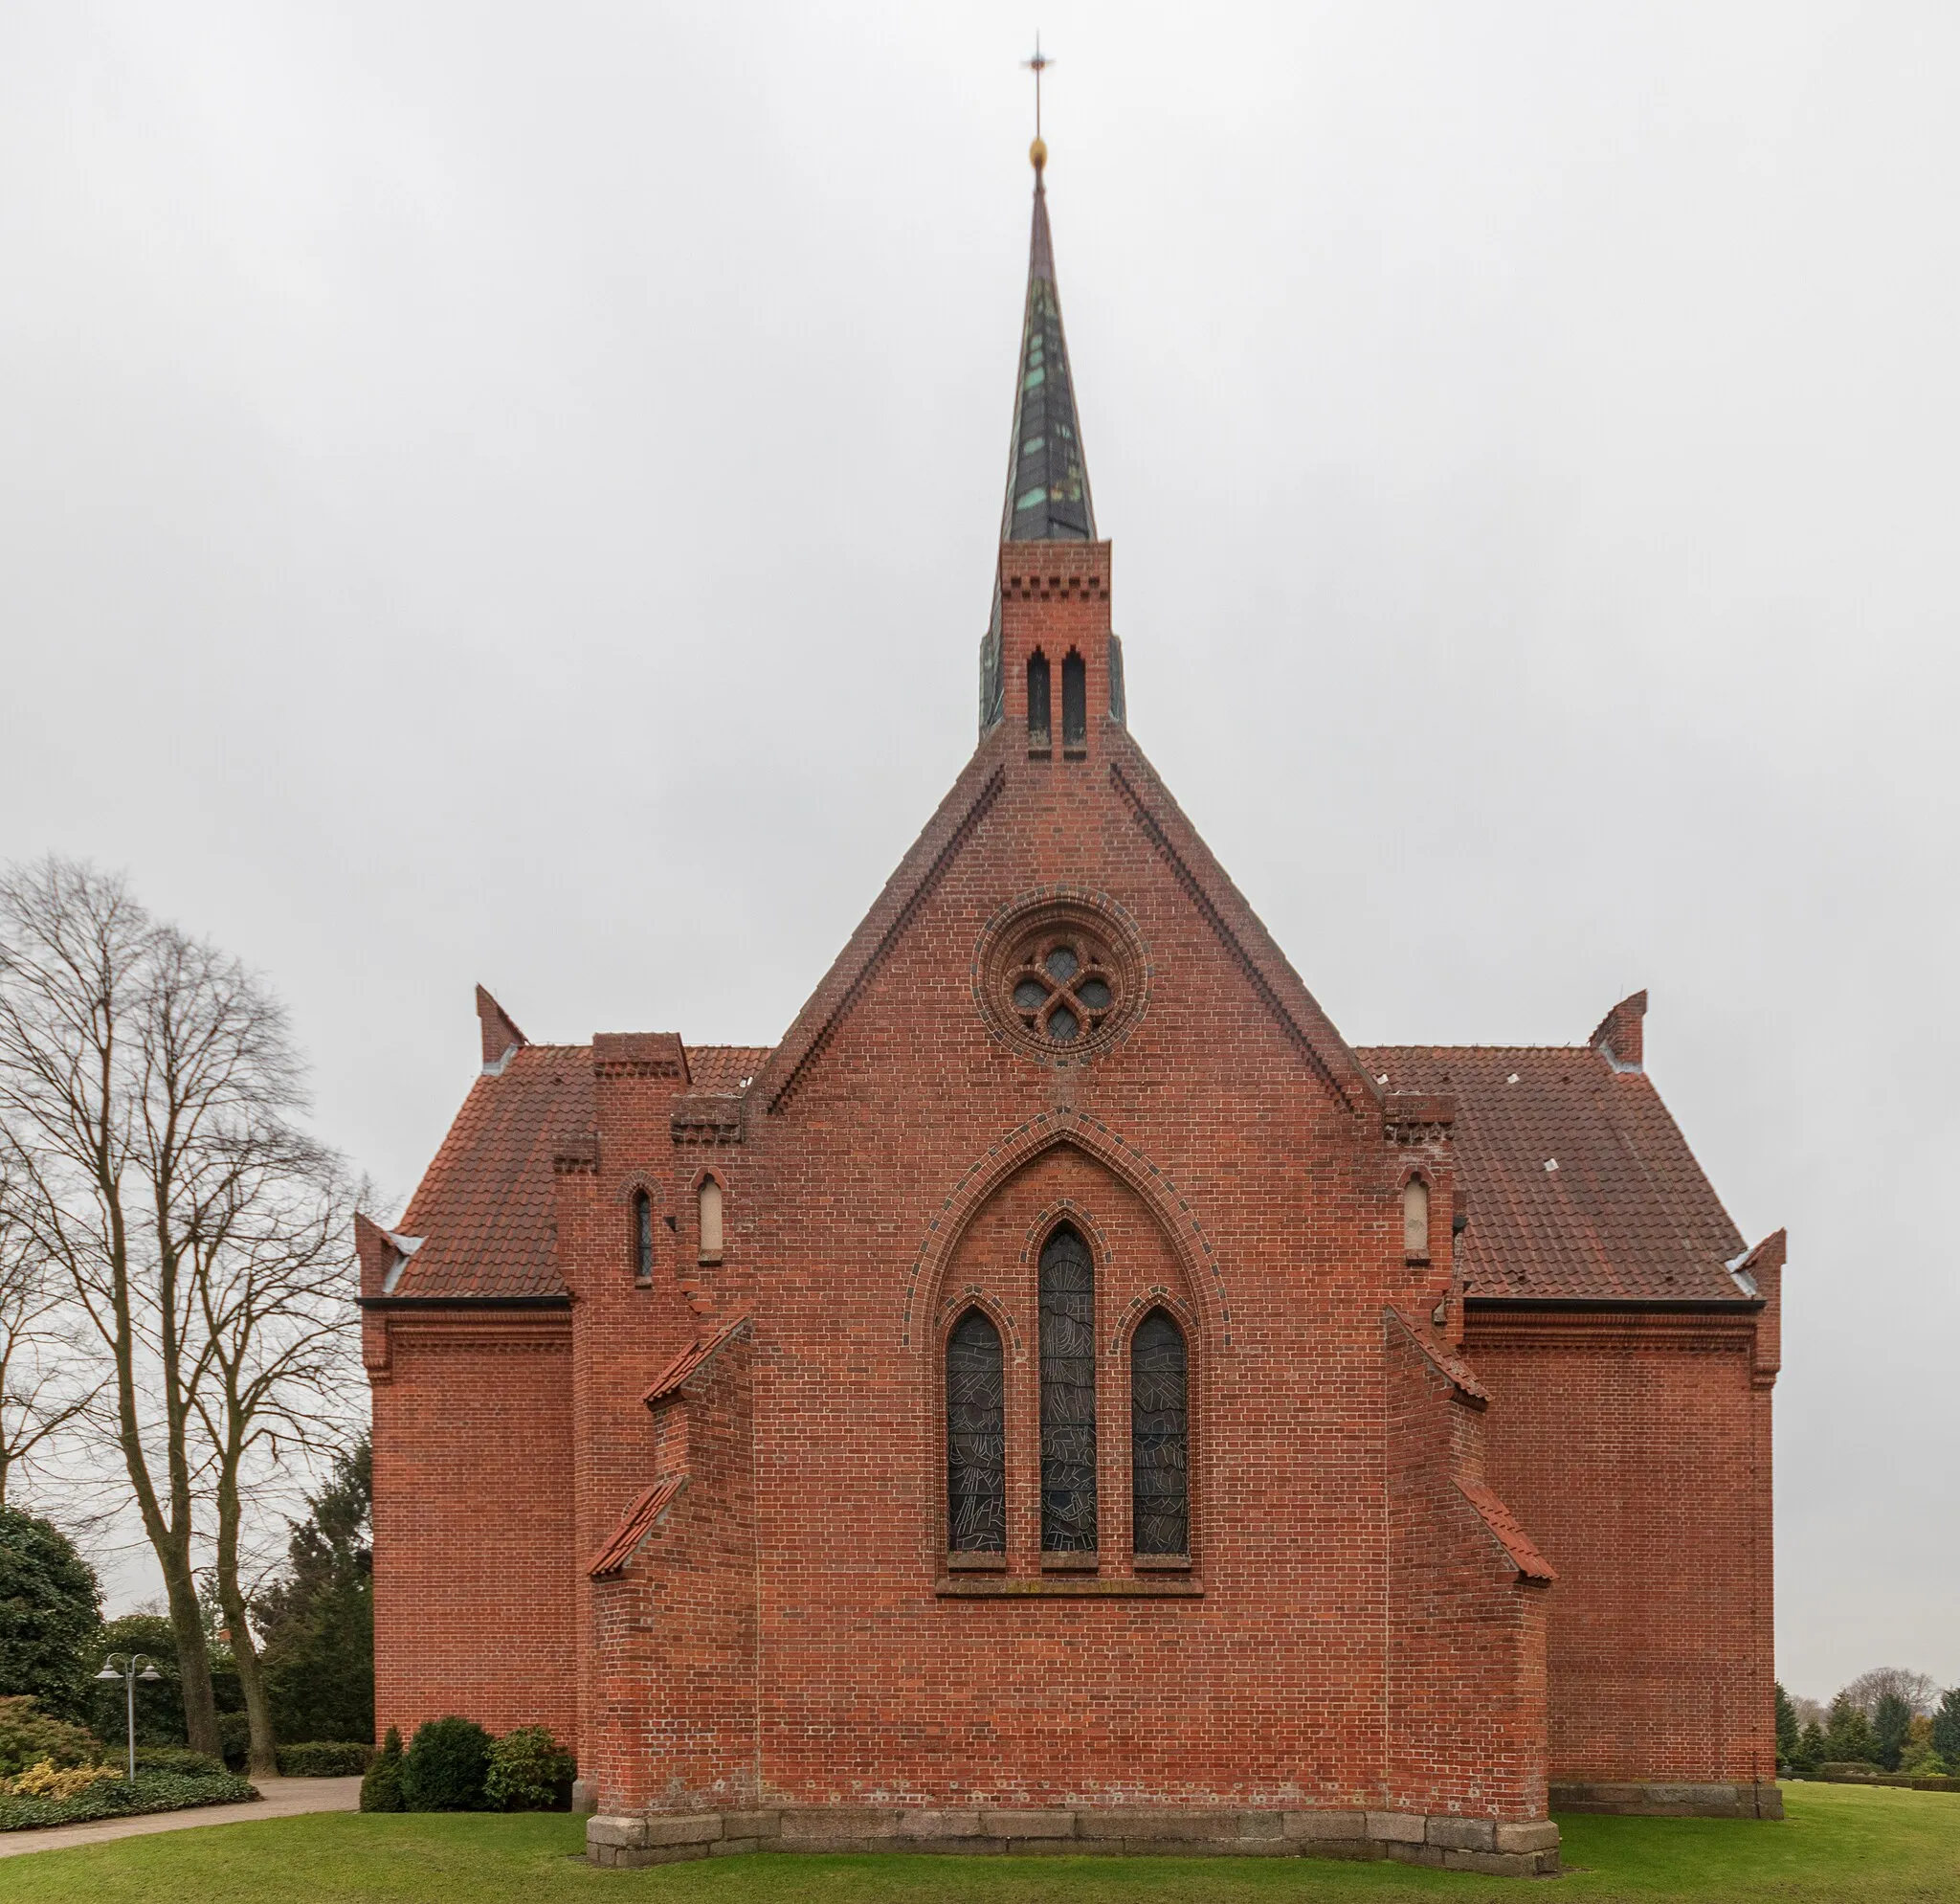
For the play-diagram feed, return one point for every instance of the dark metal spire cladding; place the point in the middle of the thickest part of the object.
(1048, 479)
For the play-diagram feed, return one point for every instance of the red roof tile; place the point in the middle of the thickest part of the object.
(483, 1207)
(724, 1067)
(1627, 1213)
(1504, 1526)
(639, 1523)
(689, 1360)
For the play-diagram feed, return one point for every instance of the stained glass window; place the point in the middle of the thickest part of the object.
(643, 1235)
(1068, 1395)
(1159, 1438)
(975, 1439)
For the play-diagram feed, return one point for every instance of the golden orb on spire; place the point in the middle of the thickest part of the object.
(1037, 154)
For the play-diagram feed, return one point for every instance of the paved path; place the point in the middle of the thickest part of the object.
(279, 1798)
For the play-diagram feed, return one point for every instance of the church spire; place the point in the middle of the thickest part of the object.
(1047, 477)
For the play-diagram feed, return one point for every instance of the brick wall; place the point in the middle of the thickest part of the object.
(1636, 1447)
(474, 1560)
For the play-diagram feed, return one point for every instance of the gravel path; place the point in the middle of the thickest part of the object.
(278, 1798)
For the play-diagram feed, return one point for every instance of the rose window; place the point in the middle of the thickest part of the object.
(1063, 986)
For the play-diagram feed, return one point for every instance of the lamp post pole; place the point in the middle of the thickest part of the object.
(128, 1674)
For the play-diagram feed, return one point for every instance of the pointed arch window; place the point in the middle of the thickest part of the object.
(642, 1236)
(1037, 699)
(1068, 1395)
(1159, 1438)
(976, 1438)
(1075, 702)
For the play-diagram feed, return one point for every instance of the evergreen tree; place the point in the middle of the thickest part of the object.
(1891, 1727)
(317, 1619)
(1947, 1729)
(50, 1607)
(1810, 1751)
(1848, 1737)
(1788, 1731)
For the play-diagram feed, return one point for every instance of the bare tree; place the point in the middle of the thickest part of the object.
(275, 1280)
(139, 1070)
(45, 1383)
(1919, 1694)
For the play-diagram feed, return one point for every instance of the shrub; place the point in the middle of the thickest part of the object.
(27, 1736)
(180, 1760)
(112, 1797)
(47, 1780)
(50, 1607)
(381, 1791)
(529, 1771)
(325, 1758)
(235, 1738)
(445, 1767)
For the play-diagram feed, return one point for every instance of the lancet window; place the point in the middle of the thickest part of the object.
(976, 1438)
(1415, 1217)
(1159, 1438)
(1068, 1395)
(708, 1206)
(642, 1236)
(1037, 699)
(1075, 702)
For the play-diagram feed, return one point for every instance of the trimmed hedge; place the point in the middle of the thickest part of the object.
(117, 1797)
(179, 1758)
(325, 1758)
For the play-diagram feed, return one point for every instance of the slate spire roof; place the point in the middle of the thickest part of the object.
(1047, 477)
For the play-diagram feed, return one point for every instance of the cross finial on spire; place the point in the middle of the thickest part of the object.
(1038, 152)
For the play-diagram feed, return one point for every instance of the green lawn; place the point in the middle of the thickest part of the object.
(1838, 1843)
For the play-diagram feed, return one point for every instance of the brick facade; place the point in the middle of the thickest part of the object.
(1477, 1472)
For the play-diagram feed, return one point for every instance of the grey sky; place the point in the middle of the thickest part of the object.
(508, 493)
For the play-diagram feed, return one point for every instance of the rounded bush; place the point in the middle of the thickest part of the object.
(529, 1771)
(445, 1767)
(380, 1789)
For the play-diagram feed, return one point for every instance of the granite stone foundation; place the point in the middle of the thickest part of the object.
(1671, 1800)
(1499, 1846)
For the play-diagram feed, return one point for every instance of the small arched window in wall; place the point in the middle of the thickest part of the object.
(708, 1203)
(1075, 702)
(1068, 1395)
(1159, 1438)
(976, 1438)
(1416, 1219)
(642, 1236)
(1037, 699)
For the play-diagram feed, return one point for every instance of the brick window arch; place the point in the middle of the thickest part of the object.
(975, 1437)
(1159, 1436)
(1068, 1394)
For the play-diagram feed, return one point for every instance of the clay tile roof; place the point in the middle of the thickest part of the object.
(612, 1558)
(1627, 1213)
(721, 1067)
(689, 1360)
(1508, 1534)
(484, 1205)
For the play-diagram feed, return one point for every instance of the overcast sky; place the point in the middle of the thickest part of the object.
(508, 493)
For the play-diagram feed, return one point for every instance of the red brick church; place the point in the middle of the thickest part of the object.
(1063, 1394)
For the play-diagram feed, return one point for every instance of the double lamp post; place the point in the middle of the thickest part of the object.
(128, 1674)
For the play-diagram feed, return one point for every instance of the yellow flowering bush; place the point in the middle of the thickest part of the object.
(47, 1780)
